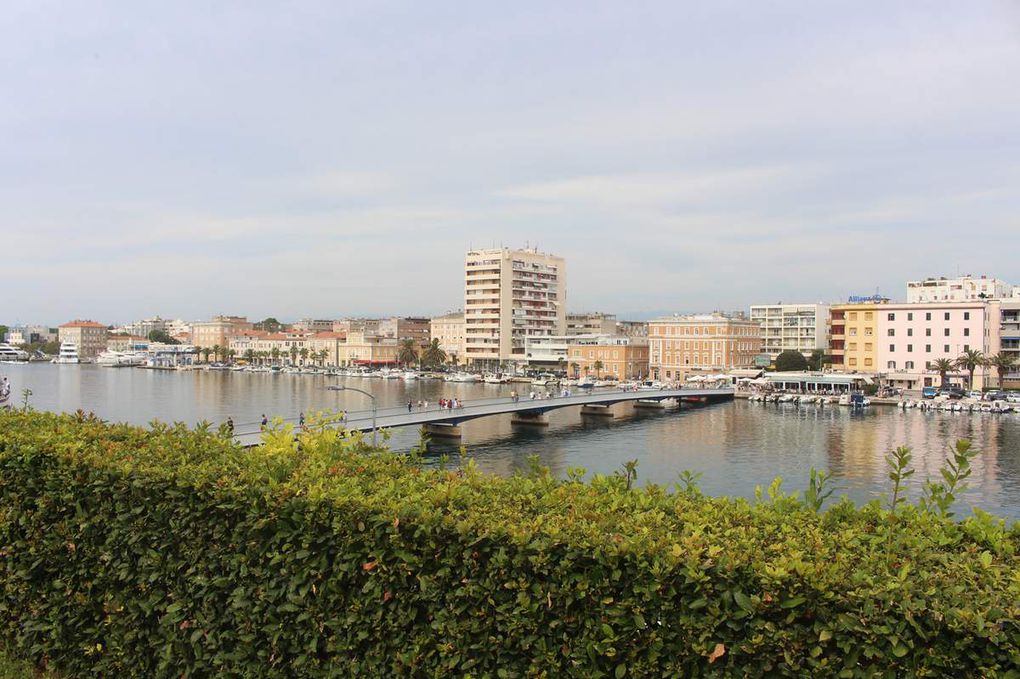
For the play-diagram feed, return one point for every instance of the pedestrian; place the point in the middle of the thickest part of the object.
(301, 420)
(230, 425)
(265, 421)
(426, 405)
(409, 405)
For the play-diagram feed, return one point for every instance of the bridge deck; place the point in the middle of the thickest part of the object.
(398, 416)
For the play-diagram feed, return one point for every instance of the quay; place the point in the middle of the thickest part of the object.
(445, 422)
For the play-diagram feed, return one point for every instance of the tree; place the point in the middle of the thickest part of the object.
(162, 337)
(249, 355)
(970, 360)
(231, 353)
(323, 355)
(408, 354)
(433, 354)
(216, 352)
(576, 368)
(274, 353)
(817, 359)
(791, 360)
(3, 333)
(561, 363)
(205, 353)
(304, 355)
(598, 368)
(268, 325)
(293, 354)
(1003, 363)
(942, 366)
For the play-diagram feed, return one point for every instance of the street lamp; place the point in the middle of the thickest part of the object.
(337, 387)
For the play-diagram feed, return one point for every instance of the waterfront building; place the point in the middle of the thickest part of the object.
(449, 330)
(369, 326)
(959, 289)
(699, 344)
(632, 328)
(179, 328)
(792, 327)
(143, 327)
(313, 325)
(509, 296)
(853, 344)
(1008, 341)
(122, 342)
(590, 323)
(328, 342)
(546, 352)
(19, 336)
(218, 331)
(88, 336)
(406, 328)
(359, 349)
(625, 358)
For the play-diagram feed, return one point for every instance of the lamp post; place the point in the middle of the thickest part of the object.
(338, 387)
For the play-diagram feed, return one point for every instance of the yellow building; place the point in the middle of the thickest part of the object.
(449, 330)
(625, 358)
(855, 340)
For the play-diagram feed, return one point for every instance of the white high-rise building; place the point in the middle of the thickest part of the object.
(792, 327)
(959, 289)
(510, 295)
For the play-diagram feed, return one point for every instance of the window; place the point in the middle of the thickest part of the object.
(927, 316)
(868, 346)
(947, 315)
(966, 332)
(910, 348)
(892, 347)
(852, 346)
(910, 332)
(853, 332)
(966, 315)
(868, 315)
(891, 365)
(852, 362)
(927, 348)
(867, 362)
(910, 316)
(927, 332)
(853, 315)
(868, 331)
(892, 332)
(892, 317)
(909, 365)
(946, 332)
(945, 348)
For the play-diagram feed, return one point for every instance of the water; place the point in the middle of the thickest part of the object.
(735, 446)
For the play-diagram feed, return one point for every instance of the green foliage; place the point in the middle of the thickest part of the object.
(817, 359)
(161, 336)
(899, 472)
(165, 552)
(790, 360)
(819, 490)
(870, 389)
(939, 496)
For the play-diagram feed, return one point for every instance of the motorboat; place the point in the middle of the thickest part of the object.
(545, 380)
(410, 375)
(120, 359)
(68, 353)
(10, 354)
(605, 383)
(491, 378)
(462, 377)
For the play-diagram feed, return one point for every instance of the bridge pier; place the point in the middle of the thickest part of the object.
(650, 405)
(597, 411)
(440, 430)
(530, 419)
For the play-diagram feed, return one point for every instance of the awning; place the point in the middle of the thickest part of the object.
(366, 361)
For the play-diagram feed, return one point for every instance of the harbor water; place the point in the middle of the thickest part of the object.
(735, 446)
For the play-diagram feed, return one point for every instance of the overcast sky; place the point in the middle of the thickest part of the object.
(325, 159)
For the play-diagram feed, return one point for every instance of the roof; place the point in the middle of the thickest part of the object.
(329, 335)
(82, 324)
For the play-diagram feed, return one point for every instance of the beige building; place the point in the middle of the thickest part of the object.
(625, 358)
(404, 328)
(218, 331)
(706, 343)
(88, 336)
(360, 349)
(510, 295)
(369, 326)
(591, 323)
(312, 325)
(449, 330)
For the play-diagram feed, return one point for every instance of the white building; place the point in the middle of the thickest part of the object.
(449, 330)
(552, 351)
(792, 327)
(589, 323)
(510, 296)
(960, 289)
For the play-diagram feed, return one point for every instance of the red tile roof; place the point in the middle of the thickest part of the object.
(82, 324)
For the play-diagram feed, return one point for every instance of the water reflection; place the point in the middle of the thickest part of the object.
(735, 446)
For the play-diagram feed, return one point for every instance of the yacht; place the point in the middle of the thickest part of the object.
(461, 377)
(68, 353)
(12, 354)
(495, 379)
(545, 380)
(120, 359)
(410, 375)
(586, 382)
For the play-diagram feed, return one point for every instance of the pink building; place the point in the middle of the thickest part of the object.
(912, 336)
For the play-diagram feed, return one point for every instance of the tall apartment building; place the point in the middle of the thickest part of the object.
(959, 289)
(218, 330)
(510, 295)
(1009, 340)
(88, 336)
(404, 328)
(703, 343)
(591, 323)
(143, 327)
(792, 327)
(449, 330)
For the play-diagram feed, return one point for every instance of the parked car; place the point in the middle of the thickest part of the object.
(929, 392)
(952, 392)
(1013, 398)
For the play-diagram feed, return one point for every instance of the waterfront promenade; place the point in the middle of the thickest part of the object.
(447, 421)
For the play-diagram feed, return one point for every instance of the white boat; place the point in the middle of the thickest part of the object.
(120, 359)
(68, 353)
(545, 380)
(495, 379)
(410, 375)
(586, 382)
(807, 398)
(461, 377)
(12, 354)
(605, 383)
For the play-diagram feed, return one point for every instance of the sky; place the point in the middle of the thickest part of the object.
(323, 159)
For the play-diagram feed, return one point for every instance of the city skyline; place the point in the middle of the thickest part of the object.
(679, 157)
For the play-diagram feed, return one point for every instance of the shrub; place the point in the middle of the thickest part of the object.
(167, 552)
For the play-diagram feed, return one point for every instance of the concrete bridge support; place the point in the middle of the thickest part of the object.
(650, 405)
(530, 419)
(597, 411)
(446, 431)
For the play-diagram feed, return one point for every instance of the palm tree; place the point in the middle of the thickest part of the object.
(322, 356)
(231, 353)
(1003, 363)
(970, 360)
(249, 355)
(943, 366)
(576, 368)
(408, 353)
(216, 352)
(560, 363)
(304, 355)
(274, 353)
(453, 358)
(433, 354)
(205, 353)
(293, 355)
(598, 368)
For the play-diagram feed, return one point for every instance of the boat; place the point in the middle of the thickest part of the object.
(120, 359)
(586, 382)
(68, 353)
(545, 380)
(461, 377)
(10, 354)
(605, 383)
(495, 379)
(410, 375)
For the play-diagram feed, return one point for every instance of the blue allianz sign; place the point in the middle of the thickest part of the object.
(858, 299)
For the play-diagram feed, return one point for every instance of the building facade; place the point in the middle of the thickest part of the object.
(449, 330)
(959, 289)
(590, 323)
(368, 326)
(792, 327)
(21, 335)
(406, 328)
(509, 296)
(218, 331)
(625, 358)
(854, 336)
(313, 325)
(88, 336)
(699, 344)
(1009, 341)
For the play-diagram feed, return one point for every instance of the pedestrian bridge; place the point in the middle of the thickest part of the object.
(526, 411)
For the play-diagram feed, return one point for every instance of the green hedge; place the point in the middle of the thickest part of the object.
(172, 553)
